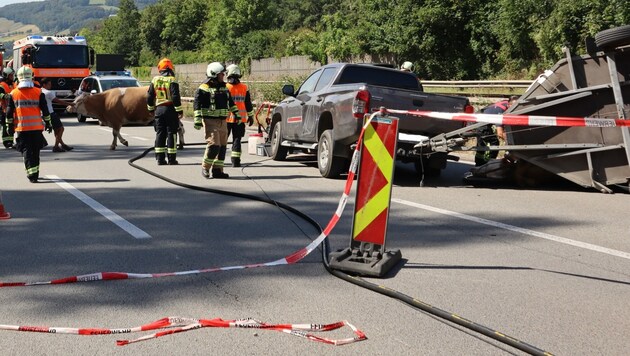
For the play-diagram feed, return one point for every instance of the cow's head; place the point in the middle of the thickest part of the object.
(79, 105)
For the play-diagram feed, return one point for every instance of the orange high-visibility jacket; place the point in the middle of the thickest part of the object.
(28, 112)
(242, 100)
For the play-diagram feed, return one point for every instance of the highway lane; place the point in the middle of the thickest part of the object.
(482, 253)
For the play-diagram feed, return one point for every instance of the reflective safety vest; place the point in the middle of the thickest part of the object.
(162, 87)
(219, 103)
(28, 115)
(239, 93)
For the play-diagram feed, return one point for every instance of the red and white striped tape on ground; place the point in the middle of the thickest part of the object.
(176, 325)
(290, 259)
(518, 120)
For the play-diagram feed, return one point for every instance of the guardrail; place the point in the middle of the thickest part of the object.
(454, 85)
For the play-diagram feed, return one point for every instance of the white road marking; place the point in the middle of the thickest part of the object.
(521, 230)
(123, 134)
(98, 207)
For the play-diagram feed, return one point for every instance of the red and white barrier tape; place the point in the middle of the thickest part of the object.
(290, 259)
(518, 120)
(177, 325)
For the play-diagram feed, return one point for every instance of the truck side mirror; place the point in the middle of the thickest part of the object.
(288, 90)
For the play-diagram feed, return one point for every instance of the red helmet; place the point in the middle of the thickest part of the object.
(165, 63)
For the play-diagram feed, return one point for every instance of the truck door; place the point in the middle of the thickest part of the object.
(295, 107)
(313, 105)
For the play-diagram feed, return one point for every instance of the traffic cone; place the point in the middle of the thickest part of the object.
(3, 214)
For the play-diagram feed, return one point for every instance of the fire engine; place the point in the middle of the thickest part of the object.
(66, 60)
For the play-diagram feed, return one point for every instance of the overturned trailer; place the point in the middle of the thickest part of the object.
(595, 85)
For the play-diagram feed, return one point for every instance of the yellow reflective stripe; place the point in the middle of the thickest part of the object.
(32, 170)
(150, 108)
(160, 149)
(364, 217)
(383, 159)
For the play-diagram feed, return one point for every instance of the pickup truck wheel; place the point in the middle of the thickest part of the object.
(278, 152)
(329, 165)
(612, 38)
(80, 118)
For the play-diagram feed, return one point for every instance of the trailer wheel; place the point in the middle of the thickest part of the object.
(278, 152)
(329, 165)
(80, 118)
(613, 38)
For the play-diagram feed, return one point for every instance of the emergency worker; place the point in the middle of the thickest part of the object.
(27, 114)
(489, 135)
(164, 100)
(407, 67)
(6, 85)
(212, 106)
(236, 123)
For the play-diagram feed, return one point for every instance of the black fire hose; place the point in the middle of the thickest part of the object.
(413, 302)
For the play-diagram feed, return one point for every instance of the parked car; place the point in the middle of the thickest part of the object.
(325, 115)
(100, 82)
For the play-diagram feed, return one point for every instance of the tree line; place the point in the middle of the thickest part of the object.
(445, 39)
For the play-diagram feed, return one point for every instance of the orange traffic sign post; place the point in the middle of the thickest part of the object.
(366, 254)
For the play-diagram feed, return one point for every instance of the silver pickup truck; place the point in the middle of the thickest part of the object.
(326, 113)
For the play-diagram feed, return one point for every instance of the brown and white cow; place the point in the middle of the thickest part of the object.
(115, 107)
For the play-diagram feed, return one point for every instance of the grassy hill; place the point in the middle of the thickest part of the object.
(54, 17)
(11, 31)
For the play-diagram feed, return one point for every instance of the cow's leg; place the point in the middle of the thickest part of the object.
(117, 135)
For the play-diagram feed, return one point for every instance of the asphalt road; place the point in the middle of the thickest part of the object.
(548, 266)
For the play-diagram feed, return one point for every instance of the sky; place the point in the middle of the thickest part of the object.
(7, 2)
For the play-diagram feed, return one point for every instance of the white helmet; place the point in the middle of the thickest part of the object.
(25, 73)
(214, 69)
(233, 71)
(407, 67)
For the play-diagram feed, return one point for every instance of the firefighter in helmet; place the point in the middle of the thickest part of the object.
(27, 114)
(236, 123)
(407, 67)
(212, 106)
(6, 85)
(164, 100)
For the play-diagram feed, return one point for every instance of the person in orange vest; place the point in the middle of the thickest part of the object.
(236, 124)
(27, 114)
(6, 85)
(164, 99)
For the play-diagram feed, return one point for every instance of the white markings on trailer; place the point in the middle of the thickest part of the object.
(521, 230)
(99, 208)
(122, 134)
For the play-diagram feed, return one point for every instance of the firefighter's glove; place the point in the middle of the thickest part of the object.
(48, 126)
(10, 129)
(198, 125)
(250, 120)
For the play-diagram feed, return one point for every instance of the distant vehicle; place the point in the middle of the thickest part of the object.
(325, 115)
(101, 82)
(63, 59)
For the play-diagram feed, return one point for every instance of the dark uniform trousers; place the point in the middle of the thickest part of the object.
(166, 125)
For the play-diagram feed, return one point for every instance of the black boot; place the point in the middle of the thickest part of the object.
(236, 162)
(161, 158)
(218, 173)
(33, 177)
(172, 161)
